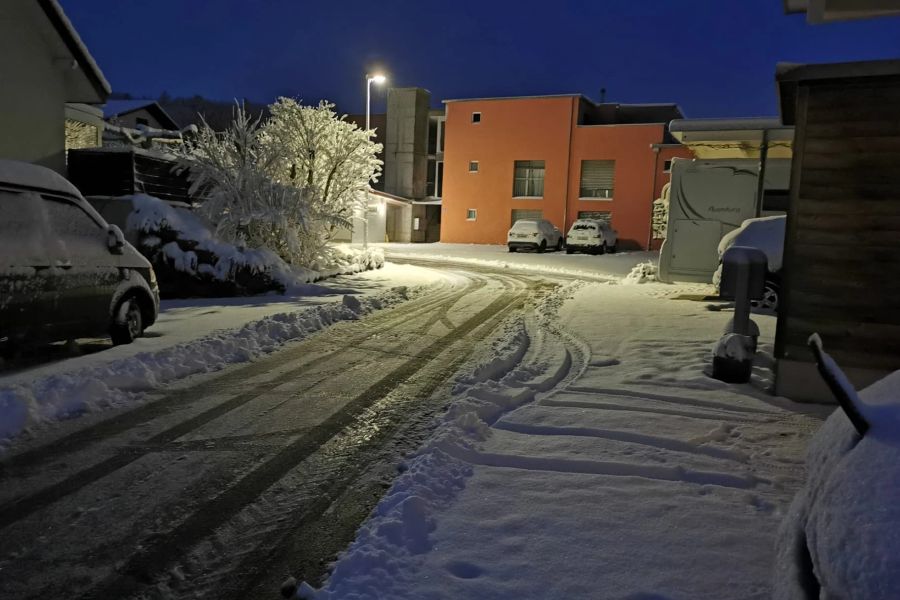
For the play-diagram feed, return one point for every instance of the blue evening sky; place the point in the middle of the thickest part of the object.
(713, 57)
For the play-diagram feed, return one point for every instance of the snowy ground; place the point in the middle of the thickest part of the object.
(193, 336)
(616, 265)
(592, 458)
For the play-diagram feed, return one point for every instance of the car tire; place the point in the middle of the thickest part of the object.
(542, 247)
(511, 249)
(569, 250)
(611, 249)
(602, 248)
(771, 295)
(128, 322)
(559, 245)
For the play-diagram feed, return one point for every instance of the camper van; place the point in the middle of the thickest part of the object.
(709, 198)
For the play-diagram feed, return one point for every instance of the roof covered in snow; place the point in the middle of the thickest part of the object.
(26, 175)
(79, 52)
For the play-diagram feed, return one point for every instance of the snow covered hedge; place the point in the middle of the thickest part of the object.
(190, 261)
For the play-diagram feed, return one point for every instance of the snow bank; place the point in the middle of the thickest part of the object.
(642, 273)
(27, 406)
(845, 518)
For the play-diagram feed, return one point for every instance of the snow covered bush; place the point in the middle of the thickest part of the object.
(190, 261)
(286, 184)
(237, 172)
(332, 159)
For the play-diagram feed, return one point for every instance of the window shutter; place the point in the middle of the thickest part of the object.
(597, 178)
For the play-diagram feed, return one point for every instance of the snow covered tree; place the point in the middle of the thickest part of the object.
(330, 157)
(247, 199)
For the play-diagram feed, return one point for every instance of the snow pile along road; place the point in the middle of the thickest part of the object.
(27, 405)
(591, 458)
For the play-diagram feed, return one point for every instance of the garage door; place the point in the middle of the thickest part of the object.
(525, 213)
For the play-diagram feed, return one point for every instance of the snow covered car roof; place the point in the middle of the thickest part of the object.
(765, 233)
(25, 175)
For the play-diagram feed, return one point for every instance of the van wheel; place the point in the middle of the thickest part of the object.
(569, 250)
(559, 245)
(602, 248)
(543, 247)
(611, 249)
(512, 249)
(128, 324)
(771, 294)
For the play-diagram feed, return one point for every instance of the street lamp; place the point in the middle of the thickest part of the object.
(378, 78)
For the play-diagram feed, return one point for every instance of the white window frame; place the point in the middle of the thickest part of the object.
(474, 121)
(669, 168)
(471, 214)
(475, 164)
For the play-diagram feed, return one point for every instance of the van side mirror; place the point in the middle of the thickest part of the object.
(115, 239)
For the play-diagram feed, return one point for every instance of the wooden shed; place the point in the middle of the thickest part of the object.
(120, 171)
(841, 274)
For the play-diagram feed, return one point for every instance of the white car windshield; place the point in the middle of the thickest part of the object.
(525, 225)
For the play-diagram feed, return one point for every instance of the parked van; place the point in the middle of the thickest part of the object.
(64, 272)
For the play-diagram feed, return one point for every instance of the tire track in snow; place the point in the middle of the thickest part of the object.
(24, 506)
(159, 553)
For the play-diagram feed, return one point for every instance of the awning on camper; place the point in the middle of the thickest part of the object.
(733, 138)
(826, 11)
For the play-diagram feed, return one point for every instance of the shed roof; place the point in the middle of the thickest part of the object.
(790, 75)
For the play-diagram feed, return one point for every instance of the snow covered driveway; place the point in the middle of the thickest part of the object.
(627, 475)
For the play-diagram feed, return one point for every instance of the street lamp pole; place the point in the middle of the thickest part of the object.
(379, 79)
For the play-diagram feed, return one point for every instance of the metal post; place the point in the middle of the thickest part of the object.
(741, 321)
(368, 135)
(761, 177)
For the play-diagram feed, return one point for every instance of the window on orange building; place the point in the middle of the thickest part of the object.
(667, 166)
(471, 213)
(528, 181)
(473, 166)
(476, 117)
(597, 179)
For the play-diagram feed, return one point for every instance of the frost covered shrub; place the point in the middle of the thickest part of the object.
(245, 200)
(329, 157)
(190, 261)
(286, 184)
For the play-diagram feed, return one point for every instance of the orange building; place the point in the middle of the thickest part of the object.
(553, 157)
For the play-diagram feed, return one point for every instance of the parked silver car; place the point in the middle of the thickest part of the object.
(64, 272)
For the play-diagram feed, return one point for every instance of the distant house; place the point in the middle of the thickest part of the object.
(133, 113)
(45, 65)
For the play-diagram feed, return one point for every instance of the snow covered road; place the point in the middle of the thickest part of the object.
(227, 483)
(632, 475)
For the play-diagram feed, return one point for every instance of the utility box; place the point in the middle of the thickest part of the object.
(734, 260)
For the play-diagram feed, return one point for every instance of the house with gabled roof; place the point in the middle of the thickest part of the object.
(44, 66)
(135, 113)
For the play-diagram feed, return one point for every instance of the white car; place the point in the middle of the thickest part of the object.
(589, 235)
(534, 234)
(767, 234)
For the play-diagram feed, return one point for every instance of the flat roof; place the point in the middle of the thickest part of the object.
(790, 75)
(515, 98)
(739, 124)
